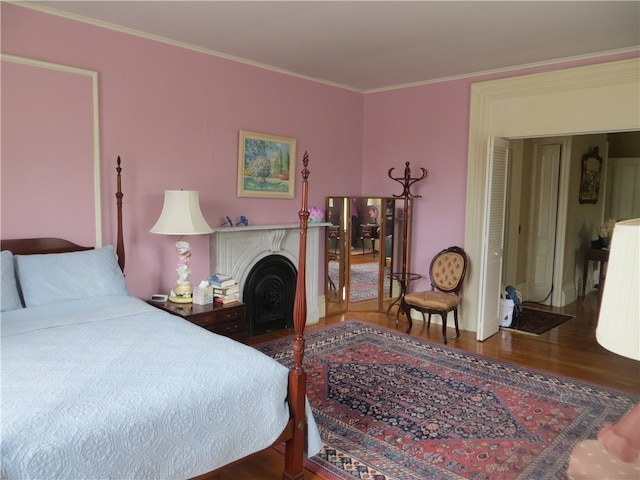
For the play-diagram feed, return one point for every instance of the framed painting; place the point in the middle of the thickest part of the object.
(266, 165)
(590, 179)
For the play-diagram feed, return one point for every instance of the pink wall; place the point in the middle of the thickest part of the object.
(173, 115)
(427, 127)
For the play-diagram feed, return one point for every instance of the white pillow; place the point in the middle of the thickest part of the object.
(56, 277)
(10, 299)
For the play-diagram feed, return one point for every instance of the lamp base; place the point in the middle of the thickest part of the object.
(182, 293)
(173, 299)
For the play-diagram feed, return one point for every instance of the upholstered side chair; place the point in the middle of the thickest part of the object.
(447, 271)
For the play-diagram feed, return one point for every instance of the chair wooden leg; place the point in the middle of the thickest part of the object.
(429, 323)
(444, 326)
(407, 312)
(455, 318)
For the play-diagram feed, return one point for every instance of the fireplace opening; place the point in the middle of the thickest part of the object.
(268, 293)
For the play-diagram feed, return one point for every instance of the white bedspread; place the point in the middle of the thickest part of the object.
(132, 392)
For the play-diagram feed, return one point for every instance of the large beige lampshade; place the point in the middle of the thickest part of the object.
(181, 214)
(619, 320)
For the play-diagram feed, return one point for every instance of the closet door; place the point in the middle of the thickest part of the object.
(493, 238)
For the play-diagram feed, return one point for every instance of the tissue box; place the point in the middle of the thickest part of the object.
(203, 295)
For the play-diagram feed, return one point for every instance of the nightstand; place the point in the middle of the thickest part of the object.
(227, 320)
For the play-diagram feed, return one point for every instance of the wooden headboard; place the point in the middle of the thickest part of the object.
(30, 246)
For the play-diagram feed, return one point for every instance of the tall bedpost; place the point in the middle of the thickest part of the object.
(119, 195)
(294, 453)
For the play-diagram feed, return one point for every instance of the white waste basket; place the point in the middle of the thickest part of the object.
(506, 307)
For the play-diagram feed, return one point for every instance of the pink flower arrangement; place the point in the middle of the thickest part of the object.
(315, 214)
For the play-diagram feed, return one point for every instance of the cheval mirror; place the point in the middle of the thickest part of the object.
(362, 248)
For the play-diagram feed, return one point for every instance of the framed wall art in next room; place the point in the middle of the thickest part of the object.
(590, 180)
(265, 165)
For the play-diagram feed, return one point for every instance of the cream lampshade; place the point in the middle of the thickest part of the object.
(181, 215)
(619, 320)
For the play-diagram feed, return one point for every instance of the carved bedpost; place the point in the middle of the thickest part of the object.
(300, 302)
(119, 195)
(294, 454)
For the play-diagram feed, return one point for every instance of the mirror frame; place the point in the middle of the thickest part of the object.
(339, 247)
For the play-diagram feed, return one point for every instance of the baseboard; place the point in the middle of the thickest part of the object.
(322, 310)
(569, 295)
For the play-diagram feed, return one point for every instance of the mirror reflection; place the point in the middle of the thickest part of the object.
(361, 252)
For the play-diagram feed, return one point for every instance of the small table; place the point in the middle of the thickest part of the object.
(600, 255)
(227, 320)
(404, 279)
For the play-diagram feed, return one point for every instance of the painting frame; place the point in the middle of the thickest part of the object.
(274, 175)
(590, 177)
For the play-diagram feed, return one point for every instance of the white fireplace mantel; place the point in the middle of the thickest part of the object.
(235, 250)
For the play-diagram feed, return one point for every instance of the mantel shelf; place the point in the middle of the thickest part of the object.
(286, 226)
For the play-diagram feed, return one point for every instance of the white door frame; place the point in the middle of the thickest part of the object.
(581, 100)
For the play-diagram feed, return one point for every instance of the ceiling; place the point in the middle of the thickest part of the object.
(375, 45)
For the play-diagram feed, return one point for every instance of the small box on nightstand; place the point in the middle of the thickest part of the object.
(203, 295)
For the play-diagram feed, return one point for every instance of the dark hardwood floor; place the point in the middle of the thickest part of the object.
(569, 350)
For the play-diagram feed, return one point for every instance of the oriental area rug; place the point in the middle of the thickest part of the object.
(390, 406)
(364, 280)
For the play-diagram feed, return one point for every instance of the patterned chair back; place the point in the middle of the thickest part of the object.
(448, 269)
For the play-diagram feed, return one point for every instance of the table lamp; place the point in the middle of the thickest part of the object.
(619, 320)
(181, 215)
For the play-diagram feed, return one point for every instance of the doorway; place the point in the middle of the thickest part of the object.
(532, 217)
(574, 228)
(595, 98)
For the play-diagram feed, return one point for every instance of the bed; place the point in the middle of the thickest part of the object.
(99, 384)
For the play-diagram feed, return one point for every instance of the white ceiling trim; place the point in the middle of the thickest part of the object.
(508, 69)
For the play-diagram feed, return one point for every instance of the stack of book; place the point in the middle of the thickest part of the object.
(225, 288)
(226, 295)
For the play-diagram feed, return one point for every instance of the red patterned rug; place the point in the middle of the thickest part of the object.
(391, 406)
(364, 280)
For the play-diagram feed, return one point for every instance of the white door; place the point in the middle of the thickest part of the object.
(493, 238)
(625, 194)
(544, 210)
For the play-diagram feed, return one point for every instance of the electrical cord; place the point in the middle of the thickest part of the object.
(541, 302)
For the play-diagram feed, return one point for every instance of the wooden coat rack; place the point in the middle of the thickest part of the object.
(405, 277)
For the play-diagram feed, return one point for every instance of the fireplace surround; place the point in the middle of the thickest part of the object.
(236, 250)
